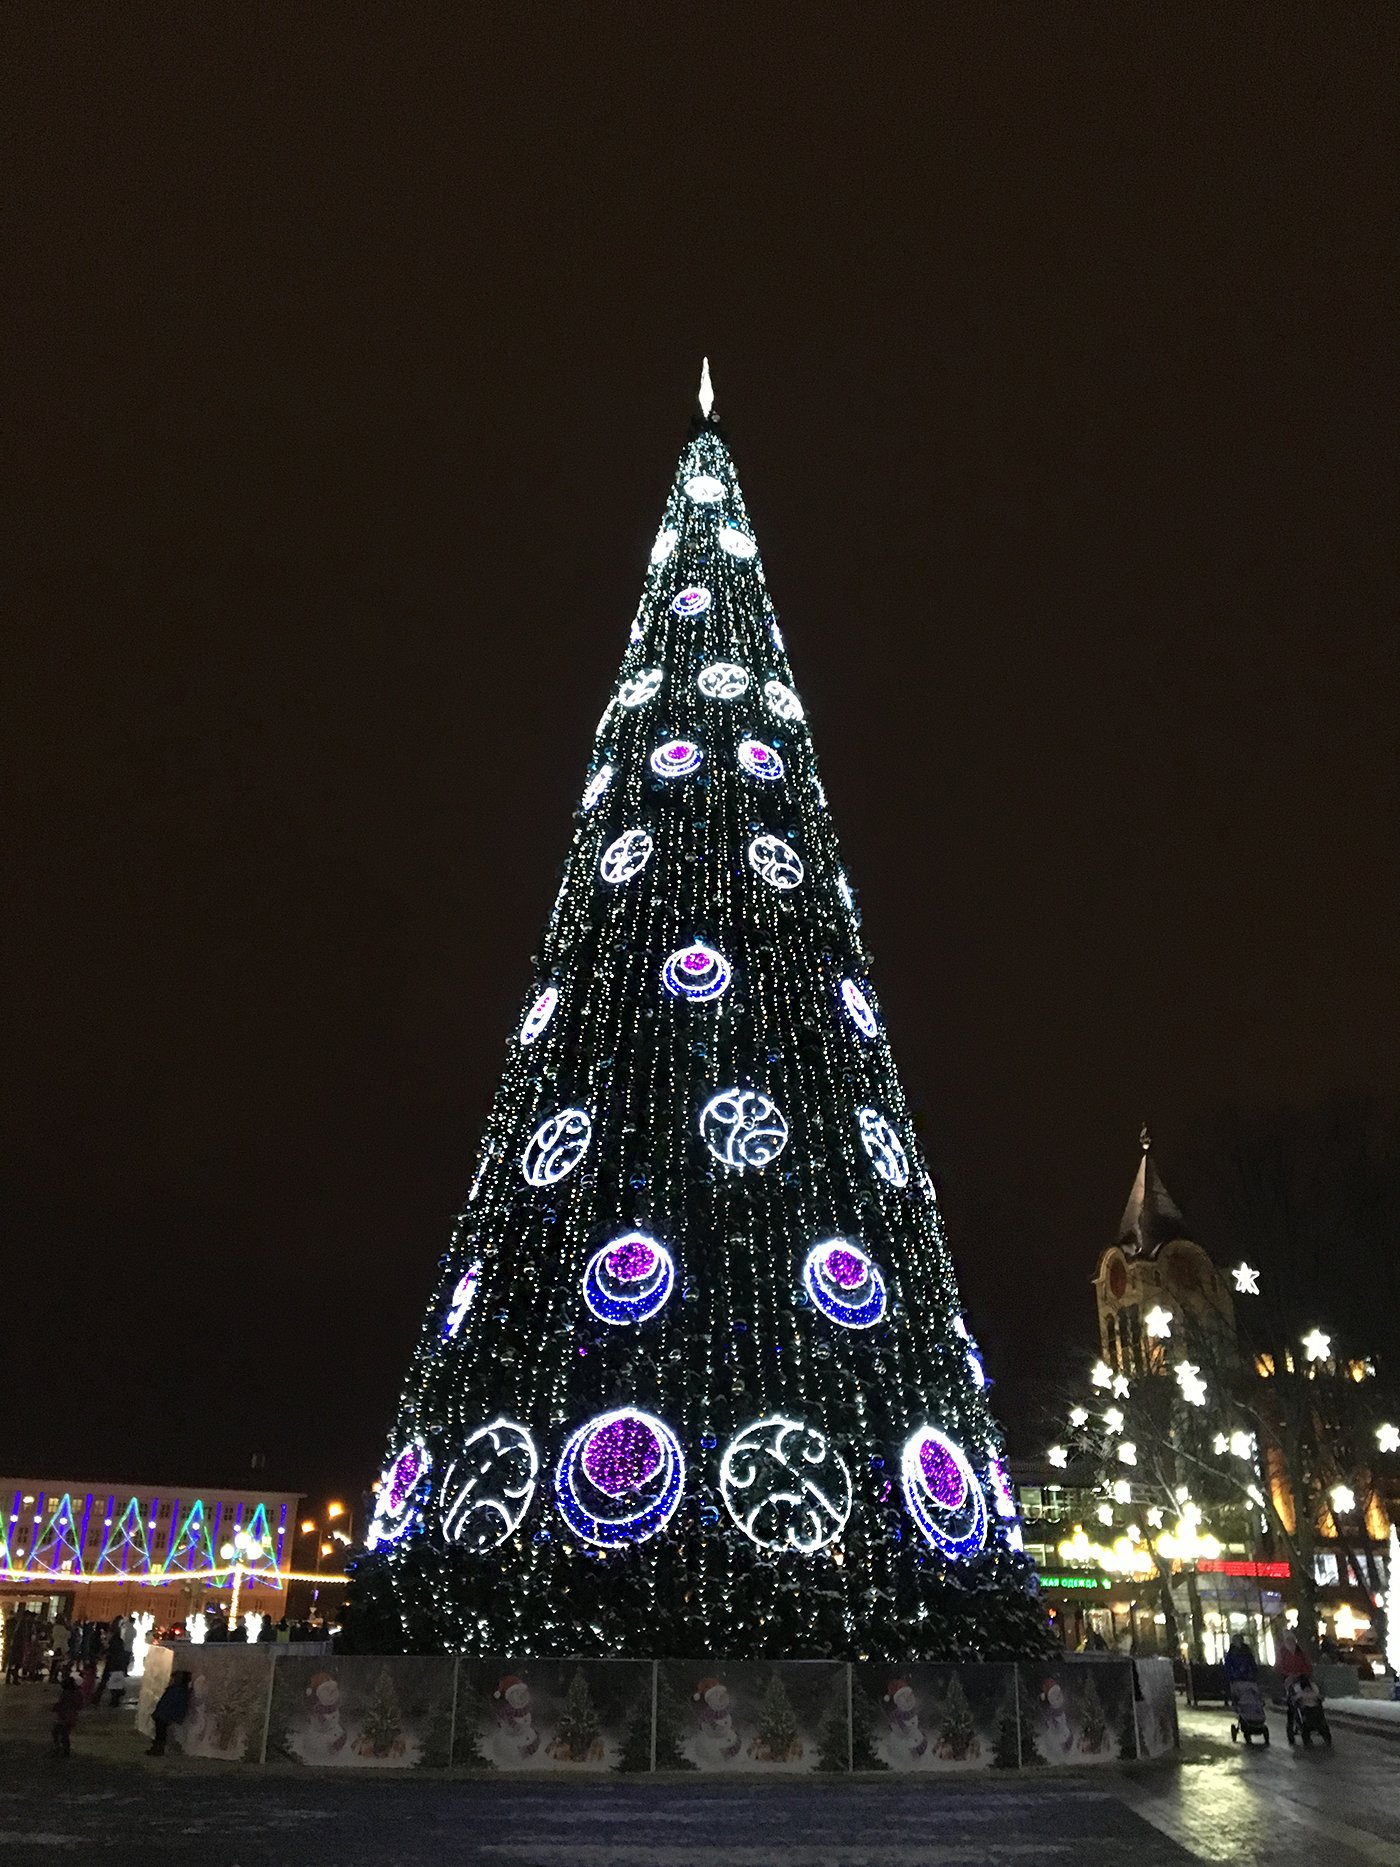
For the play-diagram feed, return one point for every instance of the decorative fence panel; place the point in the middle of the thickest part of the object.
(580, 1717)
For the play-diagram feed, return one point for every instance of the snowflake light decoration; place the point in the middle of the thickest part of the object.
(784, 1486)
(782, 701)
(556, 1147)
(626, 857)
(743, 1128)
(776, 862)
(858, 1009)
(641, 688)
(943, 1495)
(628, 1279)
(539, 1015)
(696, 972)
(884, 1147)
(596, 786)
(490, 1487)
(677, 758)
(760, 760)
(693, 601)
(664, 546)
(620, 1478)
(845, 1283)
(705, 489)
(722, 680)
(737, 543)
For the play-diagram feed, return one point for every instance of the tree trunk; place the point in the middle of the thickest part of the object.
(1198, 1618)
(1170, 1633)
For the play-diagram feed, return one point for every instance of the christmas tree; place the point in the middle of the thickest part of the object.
(776, 1739)
(579, 1730)
(381, 1730)
(695, 1378)
(957, 1734)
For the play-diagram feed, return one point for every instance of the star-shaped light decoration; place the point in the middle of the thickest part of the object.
(1079, 1416)
(1242, 1445)
(1104, 1513)
(1317, 1346)
(1255, 1496)
(1113, 1419)
(1220, 1443)
(1154, 1517)
(1193, 1388)
(1127, 1452)
(1388, 1438)
(1158, 1323)
(1246, 1281)
(1120, 1387)
(1101, 1374)
(1122, 1491)
(1343, 1498)
(1058, 1457)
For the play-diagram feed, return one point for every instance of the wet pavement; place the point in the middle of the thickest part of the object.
(1258, 1808)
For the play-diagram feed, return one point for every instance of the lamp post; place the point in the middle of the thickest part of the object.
(243, 1551)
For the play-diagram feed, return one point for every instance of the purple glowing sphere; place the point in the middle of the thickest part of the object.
(406, 1469)
(941, 1474)
(632, 1260)
(696, 962)
(622, 1455)
(845, 1268)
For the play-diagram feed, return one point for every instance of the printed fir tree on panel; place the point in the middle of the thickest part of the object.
(695, 1378)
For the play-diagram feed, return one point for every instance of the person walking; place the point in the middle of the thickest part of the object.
(116, 1659)
(58, 1641)
(65, 1715)
(172, 1707)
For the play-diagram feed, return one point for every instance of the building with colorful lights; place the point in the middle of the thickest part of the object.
(93, 1550)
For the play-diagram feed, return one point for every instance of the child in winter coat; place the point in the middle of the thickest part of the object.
(65, 1715)
(172, 1707)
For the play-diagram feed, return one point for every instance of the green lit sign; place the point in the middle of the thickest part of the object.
(1075, 1581)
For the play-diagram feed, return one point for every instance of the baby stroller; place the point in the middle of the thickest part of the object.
(1306, 1718)
(1249, 1721)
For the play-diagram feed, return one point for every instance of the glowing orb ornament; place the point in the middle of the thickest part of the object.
(676, 759)
(722, 680)
(943, 1494)
(845, 1283)
(696, 972)
(627, 857)
(641, 688)
(539, 1015)
(629, 1279)
(743, 1128)
(394, 1511)
(462, 1296)
(759, 760)
(782, 701)
(692, 602)
(775, 862)
(884, 1147)
(490, 1488)
(738, 544)
(784, 1486)
(664, 546)
(556, 1147)
(858, 1009)
(620, 1478)
(596, 786)
(705, 489)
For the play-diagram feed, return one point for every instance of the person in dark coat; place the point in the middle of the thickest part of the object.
(267, 1632)
(172, 1707)
(65, 1715)
(1239, 1661)
(116, 1659)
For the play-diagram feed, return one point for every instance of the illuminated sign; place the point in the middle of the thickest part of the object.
(1261, 1571)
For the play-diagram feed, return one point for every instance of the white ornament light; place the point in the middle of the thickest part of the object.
(677, 759)
(1193, 1388)
(782, 701)
(394, 1513)
(696, 972)
(1388, 1440)
(722, 680)
(1113, 1419)
(1058, 1457)
(692, 602)
(760, 760)
(596, 786)
(539, 1015)
(743, 1128)
(664, 546)
(1104, 1513)
(1246, 1281)
(705, 489)
(942, 1492)
(1122, 1491)
(884, 1147)
(1316, 1345)
(1127, 1452)
(777, 635)
(1120, 1387)
(626, 857)
(775, 862)
(1343, 1498)
(1242, 1445)
(1079, 1416)
(620, 1478)
(1101, 1374)
(1154, 1516)
(1220, 1445)
(641, 688)
(858, 1009)
(556, 1147)
(1158, 1323)
(784, 1486)
(496, 1477)
(463, 1294)
(738, 544)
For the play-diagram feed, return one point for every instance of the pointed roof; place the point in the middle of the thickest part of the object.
(1151, 1216)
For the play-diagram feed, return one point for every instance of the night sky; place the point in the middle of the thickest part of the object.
(348, 357)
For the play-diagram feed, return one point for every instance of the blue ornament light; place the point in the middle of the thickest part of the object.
(692, 602)
(760, 760)
(943, 1494)
(628, 1279)
(677, 758)
(620, 1478)
(696, 972)
(858, 1009)
(845, 1283)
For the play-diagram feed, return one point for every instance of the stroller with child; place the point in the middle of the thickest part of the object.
(1248, 1704)
(1305, 1715)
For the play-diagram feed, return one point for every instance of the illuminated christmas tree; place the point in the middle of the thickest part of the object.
(695, 1378)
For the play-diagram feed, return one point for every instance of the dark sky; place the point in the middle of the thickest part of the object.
(349, 358)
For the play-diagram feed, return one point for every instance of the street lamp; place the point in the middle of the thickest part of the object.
(242, 1552)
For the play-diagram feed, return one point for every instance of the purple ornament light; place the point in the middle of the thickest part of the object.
(406, 1470)
(632, 1260)
(622, 1455)
(942, 1474)
(845, 1268)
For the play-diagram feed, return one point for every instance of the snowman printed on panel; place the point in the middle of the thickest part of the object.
(718, 1741)
(515, 1720)
(322, 1738)
(901, 1708)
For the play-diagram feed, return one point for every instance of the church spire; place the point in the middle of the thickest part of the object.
(1151, 1216)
